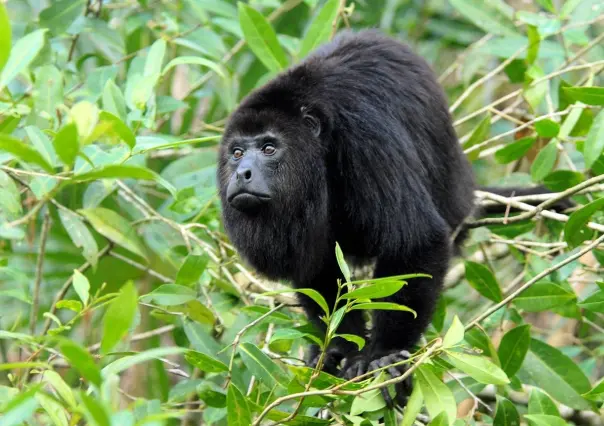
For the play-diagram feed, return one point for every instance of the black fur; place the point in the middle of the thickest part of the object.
(368, 158)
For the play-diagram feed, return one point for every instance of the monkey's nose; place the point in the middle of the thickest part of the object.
(244, 173)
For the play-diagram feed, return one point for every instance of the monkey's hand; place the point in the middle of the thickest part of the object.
(331, 361)
(365, 362)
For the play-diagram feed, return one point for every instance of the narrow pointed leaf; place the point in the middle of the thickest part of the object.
(320, 28)
(479, 368)
(513, 348)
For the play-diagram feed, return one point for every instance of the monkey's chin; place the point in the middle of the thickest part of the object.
(248, 203)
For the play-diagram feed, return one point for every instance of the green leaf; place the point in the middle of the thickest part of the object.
(534, 41)
(545, 420)
(20, 409)
(454, 334)
(313, 294)
(483, 281)
(587, 95)
(238, 411)
(5, 36)
(505, 413)
(384, 306)
(94, 411)
(441, 420)
(48, 90)
(261, 38)
(194, 60)
(540, 403)
(594, 144)
(115, 228)
(261, 366)
(514, 150)
(367, 402)
(61, 14)
(197, 311)
(155, 59)
(55, 411)
(62, 389)
(205, 362)
(170, 294)
(319, 30)
(23, 152)
(513, 348)
(342, 263)
(191, 269)
(21, 56)
(561, 180)
(549, 369)
(437, 395)
(485, 16)
(67, 144)
(542, 296)
(413, 407)
(129, 361)
(479, 134)
(375, 291)
(545, 161)
(72, 305)
(596, 392)
(113, 100)
(547, 128)
(80, 359)
(353, 338)
(479, 368)
(119, 316)
(594, 303)
(123, 171)
(575, 230)
(114, 127)
(80, 236)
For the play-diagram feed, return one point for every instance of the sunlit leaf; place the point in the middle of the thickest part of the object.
(342, 263)
(485, 16)
(261, 38)
(540, 403)
(547, 128)
(320, 29)
(94, 410)
(205, 363)
(545, 161)
(191, 269)
(113, 100)
(478, 367)
(555, 373)
(594, 303)
(454, 334)
(437, 395)
(194, 60)
(384, 306)
(80, 236)
(119, 316)
(61, 14)
(594, 144)
(238, 411)
(114, 227)
(375, 291)
(575, 231)
(22, 54)
(170, 294)
(80, 359)
(23, 152)
(262, 366)
(542, 296)
(313, 294)
(545, 420)
(66, 143)
(5, 36)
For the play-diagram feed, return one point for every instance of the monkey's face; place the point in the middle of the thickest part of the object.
(270, 161)
(252, 163)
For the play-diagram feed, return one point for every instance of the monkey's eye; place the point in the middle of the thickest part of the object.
(269, 149)
(237, 153)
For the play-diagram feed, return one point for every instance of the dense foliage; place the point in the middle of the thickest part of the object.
(122, 301)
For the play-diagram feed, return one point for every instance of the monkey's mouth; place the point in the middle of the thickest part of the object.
(247, 201)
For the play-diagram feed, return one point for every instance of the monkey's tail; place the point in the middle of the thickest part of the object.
(535, 192)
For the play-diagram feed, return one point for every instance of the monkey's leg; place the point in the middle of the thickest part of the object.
(395, 332)
(325, 282)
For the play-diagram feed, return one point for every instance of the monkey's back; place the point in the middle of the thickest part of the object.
(393, 143)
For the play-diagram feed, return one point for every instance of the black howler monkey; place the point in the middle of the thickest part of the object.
(354, 144)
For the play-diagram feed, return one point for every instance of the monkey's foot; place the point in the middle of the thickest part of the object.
(364, 363)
